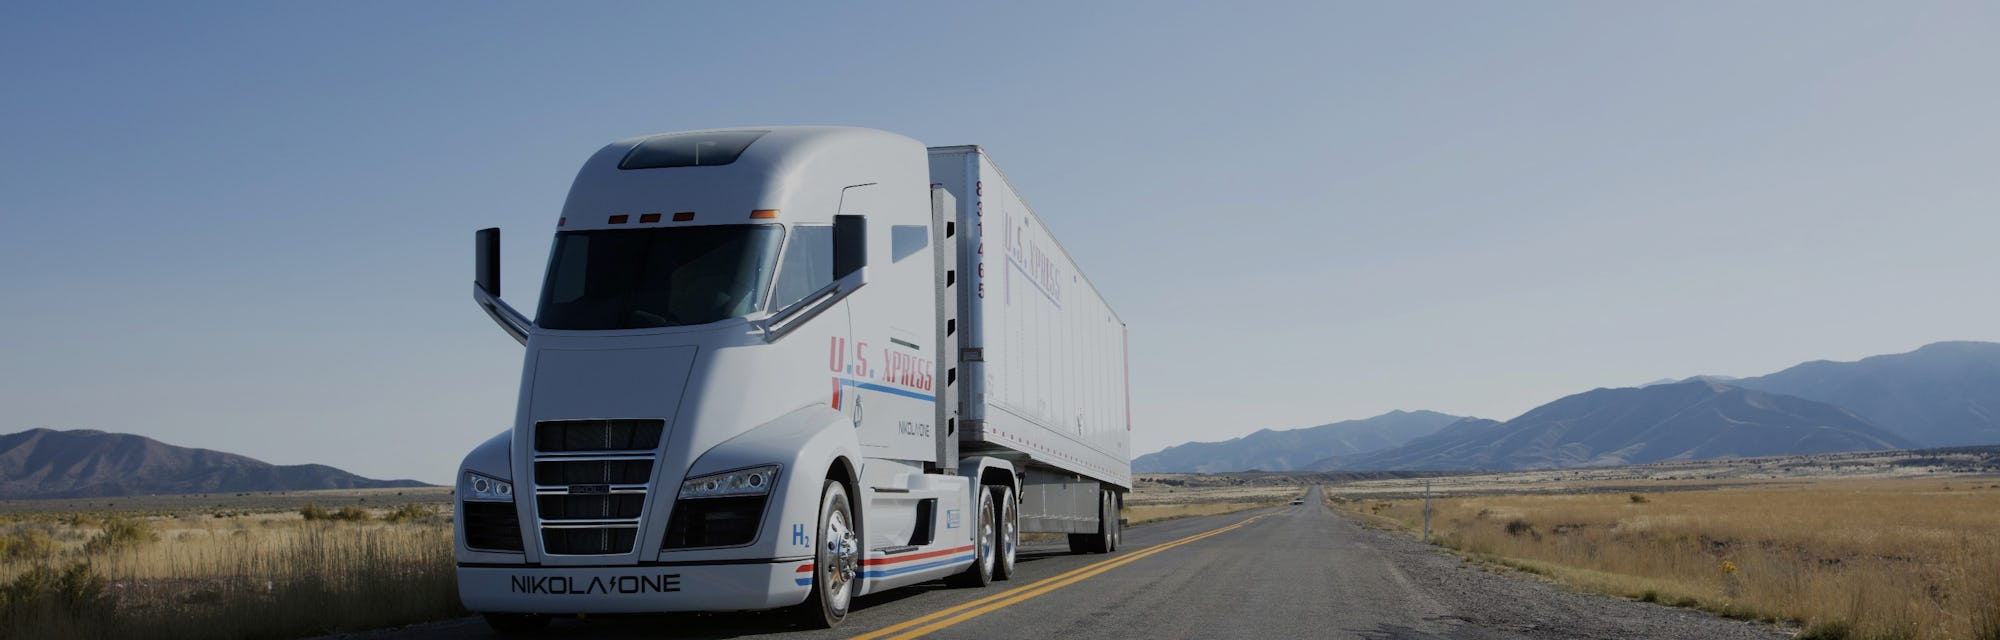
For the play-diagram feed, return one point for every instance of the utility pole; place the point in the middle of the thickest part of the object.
(1427, 512)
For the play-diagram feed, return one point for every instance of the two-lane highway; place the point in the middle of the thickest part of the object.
(1286, 572)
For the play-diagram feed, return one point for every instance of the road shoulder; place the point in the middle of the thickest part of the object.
(1495, 598)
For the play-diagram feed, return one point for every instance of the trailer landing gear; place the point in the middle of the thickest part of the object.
(1106, 538)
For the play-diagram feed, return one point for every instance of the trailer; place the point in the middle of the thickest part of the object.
(782, 367)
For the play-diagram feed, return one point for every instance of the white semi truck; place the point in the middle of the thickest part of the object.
(783, 367)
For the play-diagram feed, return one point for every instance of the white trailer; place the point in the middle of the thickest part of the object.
(785, 366)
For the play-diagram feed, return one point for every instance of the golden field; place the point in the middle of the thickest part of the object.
(1844, 558)
(224, 573)
(1157, 497)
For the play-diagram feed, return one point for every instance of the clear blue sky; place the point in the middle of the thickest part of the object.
(247, 226)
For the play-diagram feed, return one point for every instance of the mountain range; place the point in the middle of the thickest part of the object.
(1295, 449)
(1943, 394)
(1606, 427)
(44, 463)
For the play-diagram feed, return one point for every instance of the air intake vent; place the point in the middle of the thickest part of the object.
(598, 435)
(491, 526)
(714, 522)
(566, 472)
(616, 506)
(588, 541)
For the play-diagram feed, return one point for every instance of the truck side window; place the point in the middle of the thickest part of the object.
(807, 266)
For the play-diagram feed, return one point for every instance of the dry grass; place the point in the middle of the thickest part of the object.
(224, 574)
(1880, 558)
(1135, 514)
(1152, 501)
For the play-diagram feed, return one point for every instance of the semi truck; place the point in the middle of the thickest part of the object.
(778, 368)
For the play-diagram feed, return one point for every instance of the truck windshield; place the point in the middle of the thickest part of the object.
(659, 277)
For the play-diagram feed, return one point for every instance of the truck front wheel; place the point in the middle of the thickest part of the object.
(836, 561)
(981, 571)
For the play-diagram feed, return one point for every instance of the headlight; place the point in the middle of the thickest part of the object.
(754, 481)
(483, 488)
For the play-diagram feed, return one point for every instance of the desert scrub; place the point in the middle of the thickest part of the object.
(344, 514)
(351, 514)
(1843, 558)
(120, 534)
(48, 601)
(411, 513)
(27, 542)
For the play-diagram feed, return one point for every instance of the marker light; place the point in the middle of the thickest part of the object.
(620, 219)
(684, 216)
(649, 217)
(764, 214)
(754, 481)
(481, 488)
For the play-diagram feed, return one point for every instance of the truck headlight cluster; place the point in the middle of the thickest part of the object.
(754, 481)
(482, 488)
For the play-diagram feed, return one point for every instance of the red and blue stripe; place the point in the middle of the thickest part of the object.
(899, 564)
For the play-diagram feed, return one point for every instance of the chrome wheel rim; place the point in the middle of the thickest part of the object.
(986, 538)
(843, 555)
(1011, 535)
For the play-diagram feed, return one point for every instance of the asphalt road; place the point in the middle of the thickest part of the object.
(1285, 572)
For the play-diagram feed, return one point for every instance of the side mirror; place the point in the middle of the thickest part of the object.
(850, 244)
(486, 266)
(486, 286)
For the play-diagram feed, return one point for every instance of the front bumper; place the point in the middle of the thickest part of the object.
(636, 589)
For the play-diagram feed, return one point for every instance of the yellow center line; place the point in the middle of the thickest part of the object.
(967, 611)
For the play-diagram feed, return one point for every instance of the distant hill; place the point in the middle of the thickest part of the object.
(1681, 421)
(1294, 449)
(1944, 394)
(1458, 440)
(43, 463)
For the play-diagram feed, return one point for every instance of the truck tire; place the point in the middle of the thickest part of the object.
(836, 561)
(1117, 521)
(513, 623)
(1010, 532)
(984, 534)
(1107, 523)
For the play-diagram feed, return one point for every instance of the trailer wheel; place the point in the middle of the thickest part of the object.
(981, 571)
(836, 561)
(512, 623)
(1107, 523)
(1117, 521)
(1010, 532)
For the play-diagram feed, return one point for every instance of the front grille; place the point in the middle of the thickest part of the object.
(714, 522)
(492, 526)
(616, 506)
(589, 540)
(598, 435)
(591, 483)
(568, 472)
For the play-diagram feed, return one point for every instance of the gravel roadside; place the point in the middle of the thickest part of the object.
(1498, 602)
